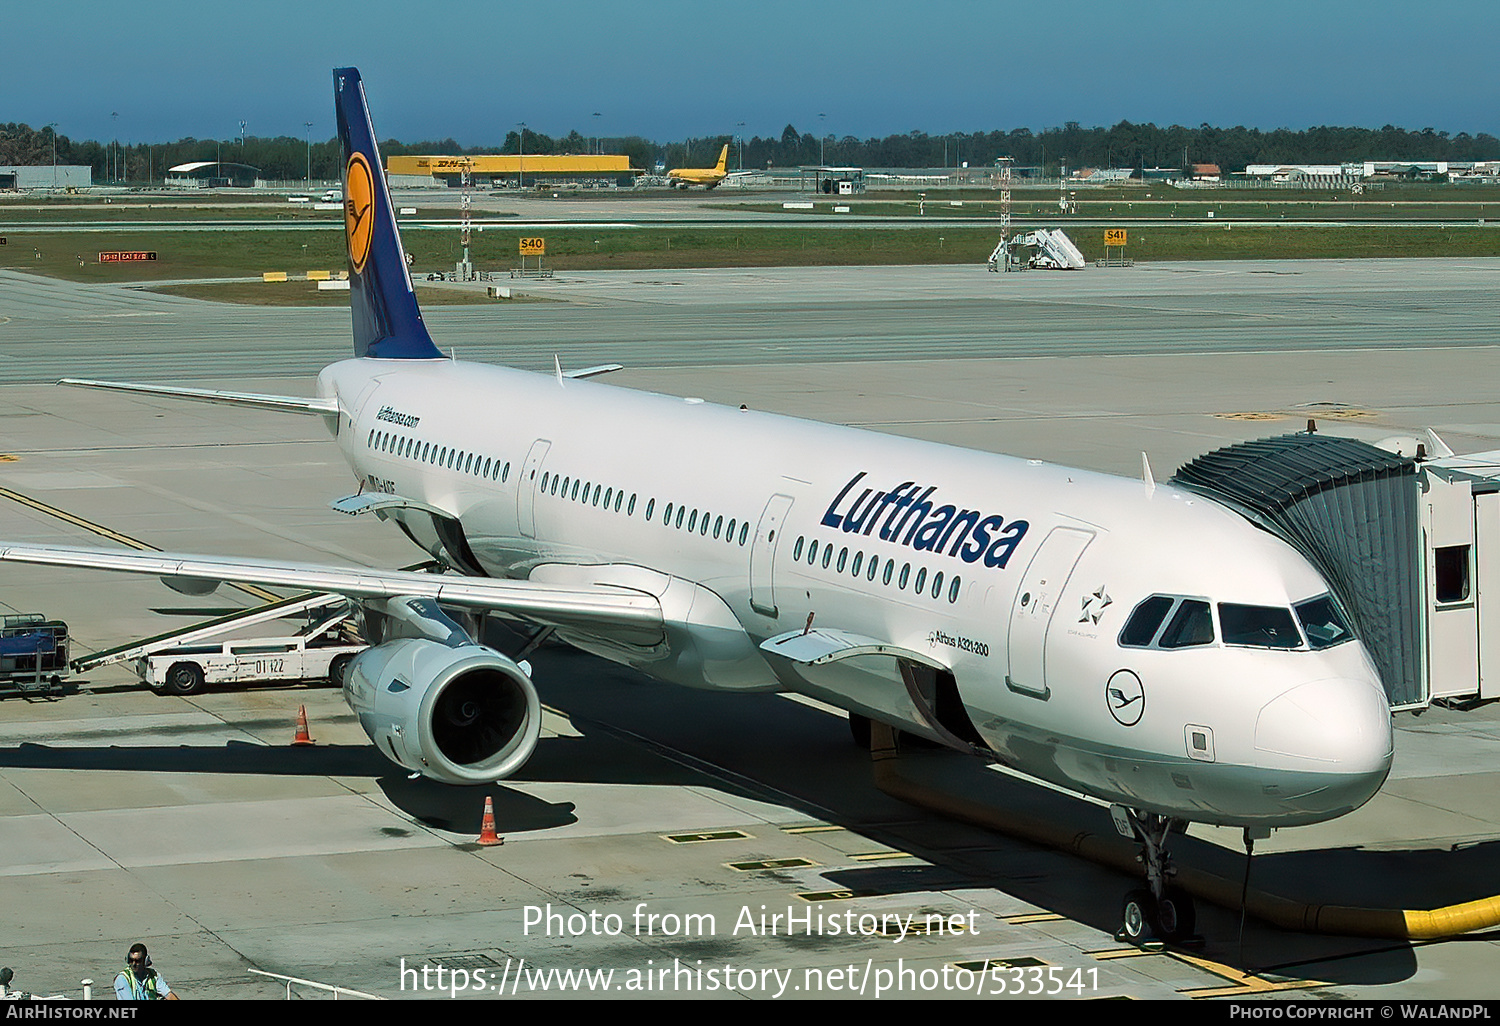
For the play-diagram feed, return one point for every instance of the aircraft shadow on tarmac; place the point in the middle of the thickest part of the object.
(633, 730)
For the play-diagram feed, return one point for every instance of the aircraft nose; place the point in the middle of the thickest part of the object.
(1342, 723)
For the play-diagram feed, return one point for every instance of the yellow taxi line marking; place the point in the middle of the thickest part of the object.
(123, 539)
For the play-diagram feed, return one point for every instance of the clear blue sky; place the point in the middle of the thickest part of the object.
(669, 69)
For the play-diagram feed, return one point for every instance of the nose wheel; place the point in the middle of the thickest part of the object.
(1159, 911)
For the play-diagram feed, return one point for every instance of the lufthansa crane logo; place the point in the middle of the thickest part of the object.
(1125, 697)
(359, 210)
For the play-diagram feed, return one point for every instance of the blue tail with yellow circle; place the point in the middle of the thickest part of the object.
(387, 322)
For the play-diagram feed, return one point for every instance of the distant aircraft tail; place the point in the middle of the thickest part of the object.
(387, 322)
(723, 156)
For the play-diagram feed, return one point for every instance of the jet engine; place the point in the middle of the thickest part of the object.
(460, 715)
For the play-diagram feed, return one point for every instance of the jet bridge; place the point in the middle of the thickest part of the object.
(1406, 543)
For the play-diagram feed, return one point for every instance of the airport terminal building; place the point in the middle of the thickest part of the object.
(509, 170)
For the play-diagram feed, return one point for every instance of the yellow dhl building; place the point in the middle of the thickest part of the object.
(507, 168)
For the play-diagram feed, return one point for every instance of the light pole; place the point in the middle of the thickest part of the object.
(521, 163)
(114, 120)
(308, 126)
(598, 148)
(741, 126)
(53, 126)
(821, 116)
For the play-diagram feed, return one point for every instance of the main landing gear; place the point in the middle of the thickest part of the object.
(1160, 911)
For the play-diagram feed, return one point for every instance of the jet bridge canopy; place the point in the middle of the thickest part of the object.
(1352, 510)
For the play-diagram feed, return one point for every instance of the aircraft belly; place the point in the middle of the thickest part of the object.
(1178, 786)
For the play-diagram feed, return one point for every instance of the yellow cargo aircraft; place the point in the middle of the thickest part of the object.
(708, 177)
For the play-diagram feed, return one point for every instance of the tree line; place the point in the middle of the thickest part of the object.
(1124, 145)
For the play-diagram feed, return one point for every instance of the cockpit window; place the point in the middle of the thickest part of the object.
(1192, 624)
(1322, 622)
(1258, 626)
(1143, 622)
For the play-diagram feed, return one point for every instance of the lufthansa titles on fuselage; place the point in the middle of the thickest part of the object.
(909, 515)
(394, 416)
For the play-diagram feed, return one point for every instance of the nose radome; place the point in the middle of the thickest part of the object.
(1341, 722)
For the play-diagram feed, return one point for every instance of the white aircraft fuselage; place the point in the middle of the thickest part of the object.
(1014, 576)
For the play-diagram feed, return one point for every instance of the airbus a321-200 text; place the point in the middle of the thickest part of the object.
(1139, 644)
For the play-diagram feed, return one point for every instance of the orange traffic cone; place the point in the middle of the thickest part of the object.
(487, 833)
(302, 738)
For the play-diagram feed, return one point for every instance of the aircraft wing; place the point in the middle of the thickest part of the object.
(254, 400)
(599, 606)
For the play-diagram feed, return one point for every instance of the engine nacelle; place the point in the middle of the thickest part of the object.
(460, 715)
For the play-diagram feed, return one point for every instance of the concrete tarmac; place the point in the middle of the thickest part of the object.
(191, 824)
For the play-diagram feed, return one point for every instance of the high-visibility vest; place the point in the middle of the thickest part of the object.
(141, 990)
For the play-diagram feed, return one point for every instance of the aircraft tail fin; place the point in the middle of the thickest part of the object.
(387, 322)
(723, 157)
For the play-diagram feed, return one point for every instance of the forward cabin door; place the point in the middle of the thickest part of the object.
(1036, 602)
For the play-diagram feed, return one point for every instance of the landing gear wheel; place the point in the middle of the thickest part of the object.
(1176, 916)
(184, 679)
(1138, 917)
(337, 670)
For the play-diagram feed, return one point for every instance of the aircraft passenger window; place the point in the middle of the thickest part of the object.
(681, 512)
(1144, 620)
(744, 532)
(859, 558)
(797, 549)
(426, 452)
(1322, 623)
(619, 498)
(370, 442)
(630, 507)
(905, 573)
(703, 527)
(586, 486)
(505, 473)
(718, 526)
(469, 463)
(843, 555)
(574, 493)
(609, 493)
(827, 555)
(650, 505)
(890, 567)
(544, 482)
(1258, 626)
(921, 580)
(812, 552)
(1451, 579)
(954, 588)
(729, 534)
(666, 515)
(874, 567)
(1191, 625)
(693, 522)
(486, 472)
(937, 584)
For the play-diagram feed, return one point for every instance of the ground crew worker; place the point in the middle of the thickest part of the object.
(138, 981)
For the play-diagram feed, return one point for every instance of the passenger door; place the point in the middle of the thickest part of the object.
(1036, 602)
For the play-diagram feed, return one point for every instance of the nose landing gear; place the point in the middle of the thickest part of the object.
(1161, 911)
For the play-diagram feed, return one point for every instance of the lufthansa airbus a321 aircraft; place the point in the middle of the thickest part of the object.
(1137, 643)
